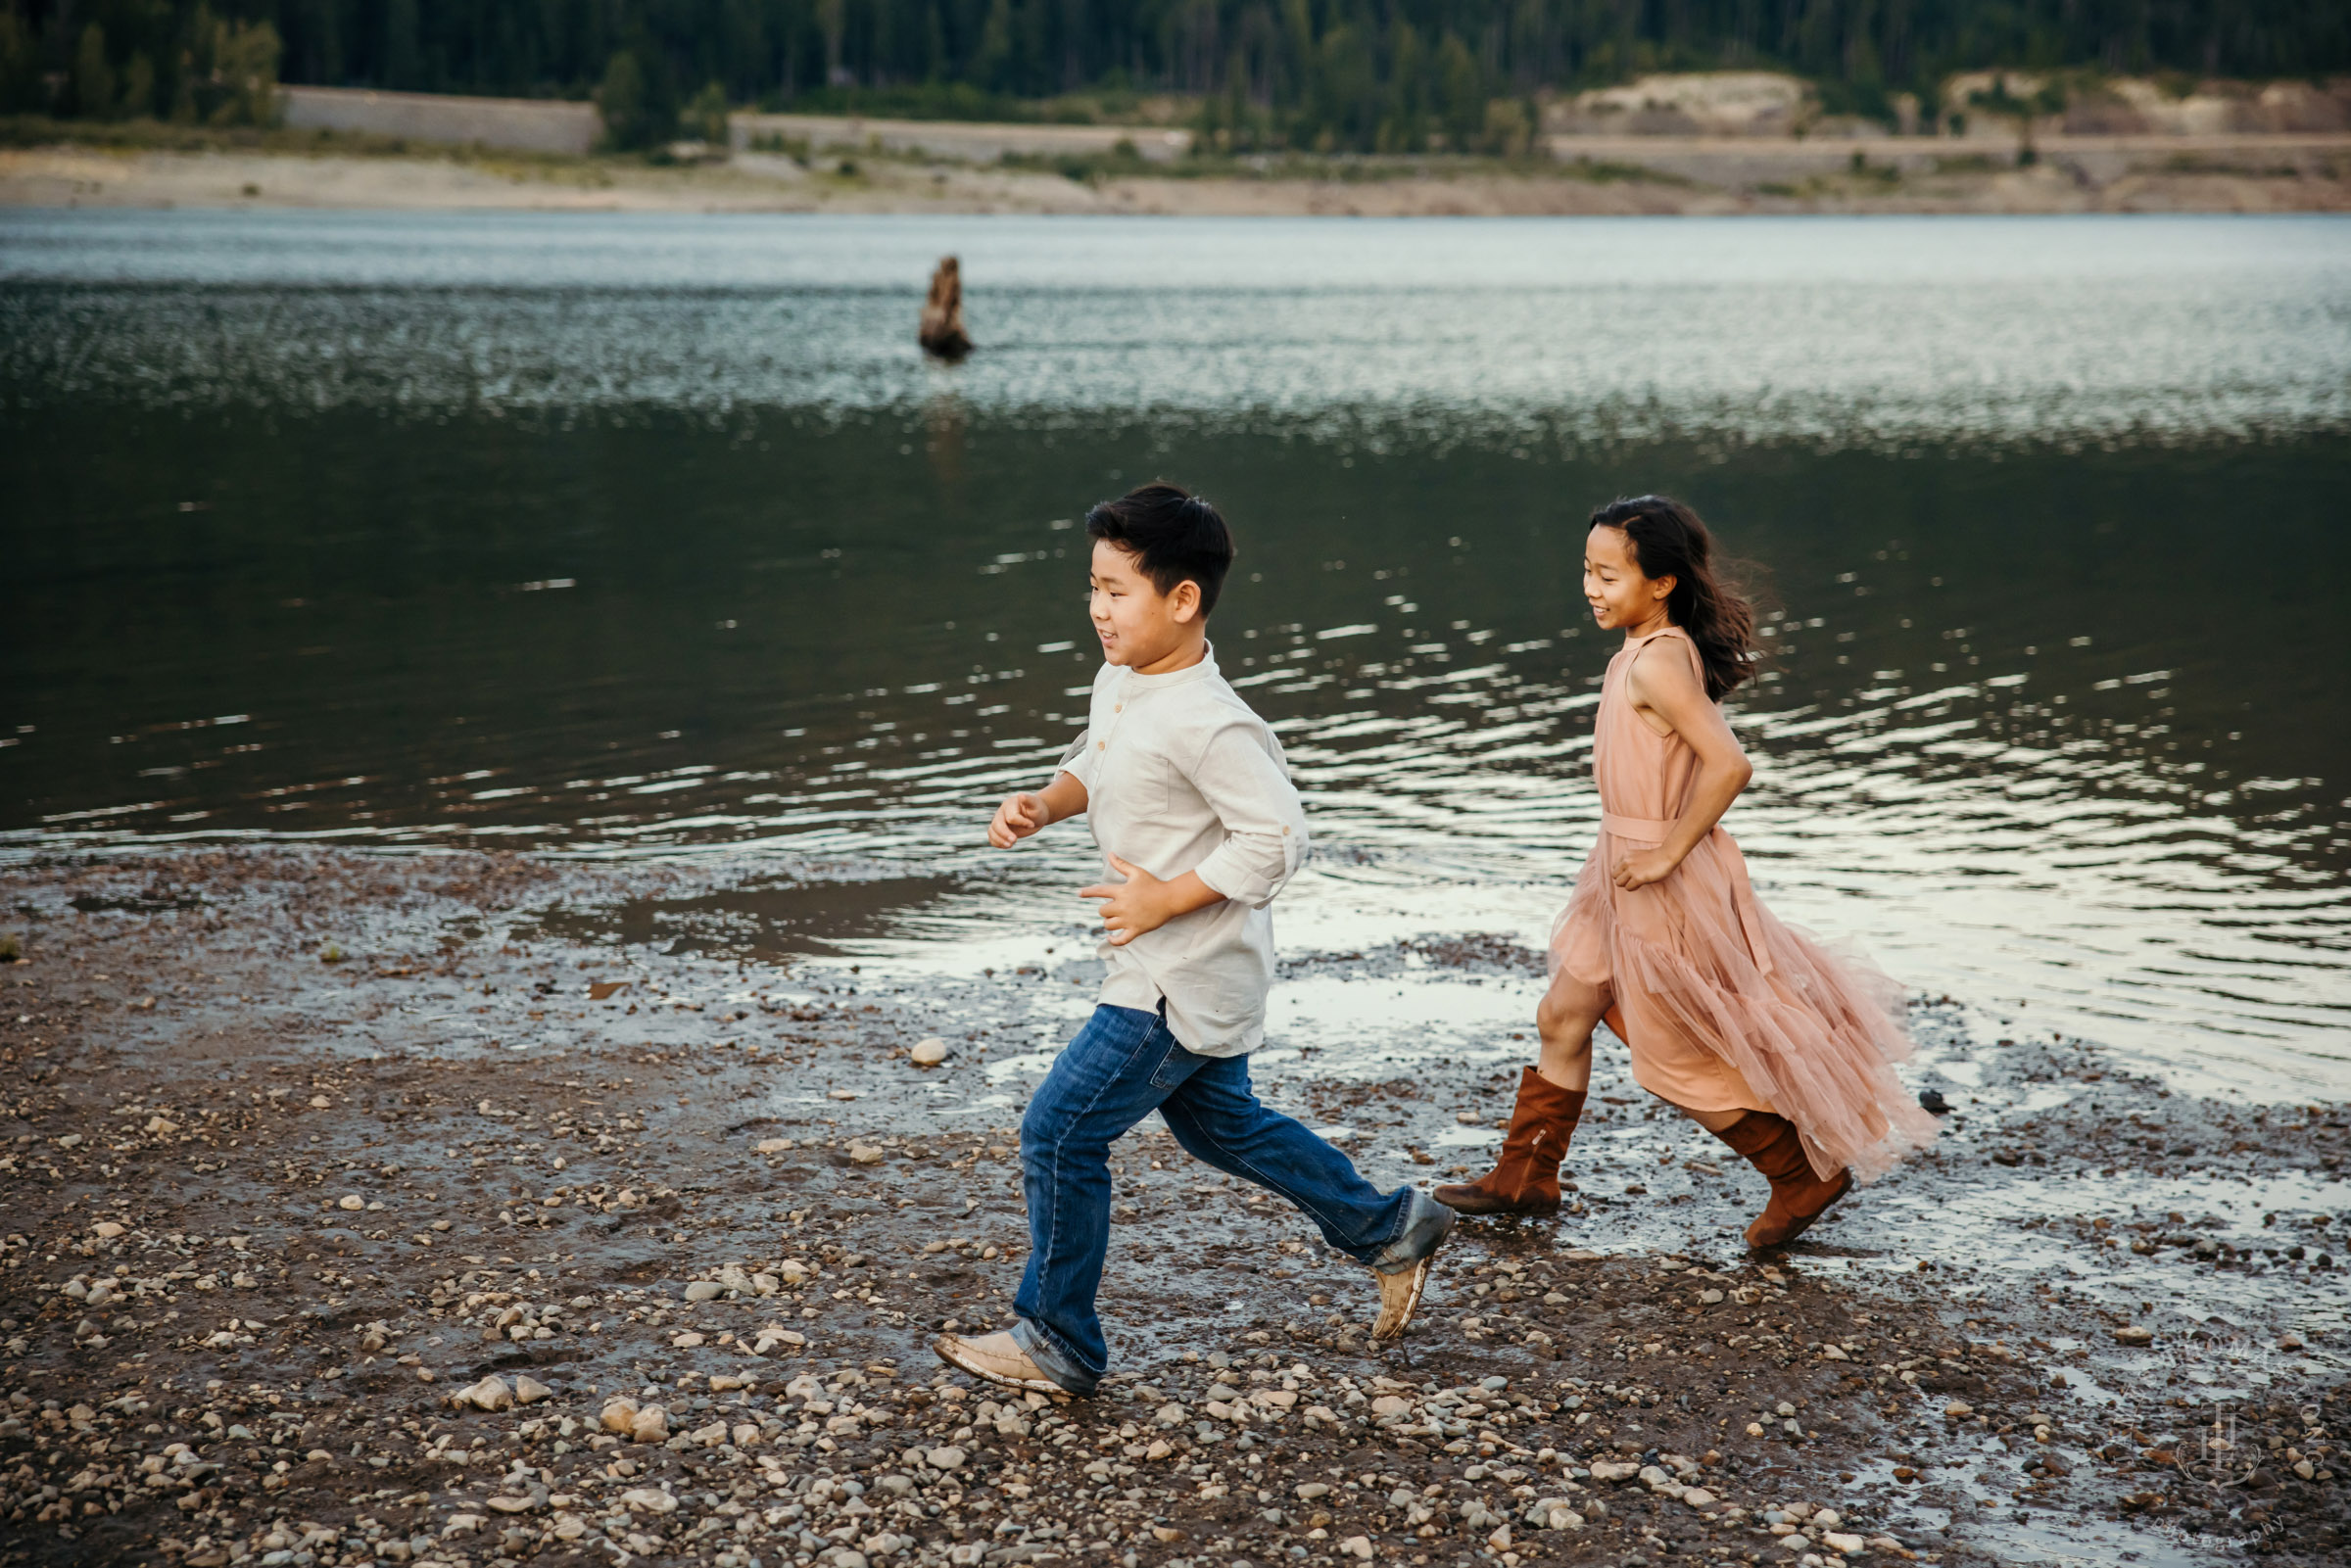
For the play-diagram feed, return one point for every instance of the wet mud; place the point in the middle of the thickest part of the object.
(299, 1146)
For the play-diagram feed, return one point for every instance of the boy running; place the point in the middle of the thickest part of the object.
(1191, 804)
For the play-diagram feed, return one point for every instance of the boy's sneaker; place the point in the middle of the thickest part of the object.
(1402, 1269)
(1005, 1359)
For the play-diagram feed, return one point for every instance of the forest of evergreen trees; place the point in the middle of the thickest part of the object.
(1353, 73)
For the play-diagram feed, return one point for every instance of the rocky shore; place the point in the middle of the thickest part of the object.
(397, 1210)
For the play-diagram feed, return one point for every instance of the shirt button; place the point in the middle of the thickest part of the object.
(1117, 708)
(1285, 833)
(1104, 745)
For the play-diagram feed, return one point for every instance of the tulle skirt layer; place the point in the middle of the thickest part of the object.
(1694, 962)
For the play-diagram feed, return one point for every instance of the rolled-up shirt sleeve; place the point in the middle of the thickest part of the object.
(1248, 787)
(1079, 761)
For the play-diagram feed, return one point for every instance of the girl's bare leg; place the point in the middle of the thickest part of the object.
(1565, 1019)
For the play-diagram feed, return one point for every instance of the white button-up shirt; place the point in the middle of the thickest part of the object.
(1180, 775)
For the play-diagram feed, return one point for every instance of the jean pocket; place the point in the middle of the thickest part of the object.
(1173, 1067)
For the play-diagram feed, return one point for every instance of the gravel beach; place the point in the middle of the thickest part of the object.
(440, 1209)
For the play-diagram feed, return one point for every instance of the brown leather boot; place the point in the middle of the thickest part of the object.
(1525, 1181)
(1798, 1197)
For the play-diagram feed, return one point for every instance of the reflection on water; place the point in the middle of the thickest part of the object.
(634, 538)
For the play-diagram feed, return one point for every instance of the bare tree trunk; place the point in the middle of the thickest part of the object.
(942, 330)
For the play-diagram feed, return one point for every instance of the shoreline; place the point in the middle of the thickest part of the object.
(1606, 177)
(309, 1140)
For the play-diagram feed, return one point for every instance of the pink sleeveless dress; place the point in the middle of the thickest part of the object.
(1723, 1006)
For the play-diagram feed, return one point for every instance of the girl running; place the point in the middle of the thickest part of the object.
(1743, 1023)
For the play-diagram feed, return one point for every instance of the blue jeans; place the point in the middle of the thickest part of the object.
(1123, 1065)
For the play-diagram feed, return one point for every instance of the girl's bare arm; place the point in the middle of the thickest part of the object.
(1670, 689)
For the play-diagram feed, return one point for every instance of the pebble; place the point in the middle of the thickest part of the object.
(704, 1290)
(352, 1201)
(649, 1425)
(928, 1053)
(2133, 1333)
(1361, 1547)
(620, 1414)
(867, 1154)
(490, 1394)
(650, 1500)
(1845, 1546)
(1958, 1409)
(946, 1458)
(773, 1145)
(529, 1389)
(106, 1228)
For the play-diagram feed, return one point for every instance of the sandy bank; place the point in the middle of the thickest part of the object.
(1615, 175)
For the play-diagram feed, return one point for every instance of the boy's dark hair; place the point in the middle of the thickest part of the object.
(1172, 534)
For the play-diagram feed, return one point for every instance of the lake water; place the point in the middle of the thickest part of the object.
(633, 535)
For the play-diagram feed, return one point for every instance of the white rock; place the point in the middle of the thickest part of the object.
(704, 1290)
(352, 1201)
(1356, 1546)
(1170, 1414)
(867, 1154)
(650, 1425)
(947, 1458)
(773, 1145)
(930, 1053)
(1388, 1405)
(650, 1500)
(1614, 1470)
(1844, 1546)
(528, 1390)
(1958, 1409)
(620, 1413)
(490, 1394)
(1699, 1498)
(1827, 1519)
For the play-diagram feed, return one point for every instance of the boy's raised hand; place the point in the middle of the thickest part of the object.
(1019, 815)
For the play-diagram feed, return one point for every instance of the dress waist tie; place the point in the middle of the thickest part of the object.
(1650, 830)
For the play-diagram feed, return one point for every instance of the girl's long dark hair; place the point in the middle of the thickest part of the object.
(1669, 541)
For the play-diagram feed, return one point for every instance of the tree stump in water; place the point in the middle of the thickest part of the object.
(943, 331)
